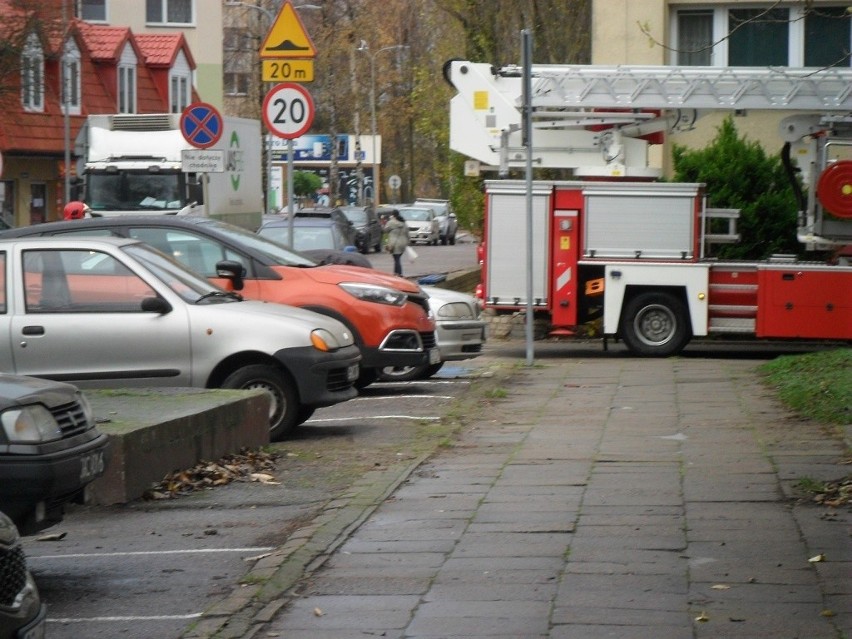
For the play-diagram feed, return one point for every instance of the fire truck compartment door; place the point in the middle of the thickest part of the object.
(506, 249)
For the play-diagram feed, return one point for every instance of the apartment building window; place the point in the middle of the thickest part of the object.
(127, 81)
(70, 94)
(236, 83)
(168, 12)
(92, 10)
(32, 75)
(761, 35)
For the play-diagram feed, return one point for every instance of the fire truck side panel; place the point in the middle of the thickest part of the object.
(688, 281)
(642, 221)
(802, 301)
(505, 269)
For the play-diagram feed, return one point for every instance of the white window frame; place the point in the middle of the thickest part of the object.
(180, 84)
(127, 81)
(71, 78)
(164, 14)
(78, 10)
(719, 53)
(32, 75)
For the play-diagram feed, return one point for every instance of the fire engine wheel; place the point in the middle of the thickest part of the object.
(284, 409)
(655, 325)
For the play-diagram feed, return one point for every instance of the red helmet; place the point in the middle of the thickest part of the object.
(75, 210)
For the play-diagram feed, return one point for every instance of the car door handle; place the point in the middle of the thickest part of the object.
(33, 330)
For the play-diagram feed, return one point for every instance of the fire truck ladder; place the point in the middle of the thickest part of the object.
(563, 87)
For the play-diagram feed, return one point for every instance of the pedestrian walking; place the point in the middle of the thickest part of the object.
(397, 239)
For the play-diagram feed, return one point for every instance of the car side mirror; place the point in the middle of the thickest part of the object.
(156, 305)
(233, 271)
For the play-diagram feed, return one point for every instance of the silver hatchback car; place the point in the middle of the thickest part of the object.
(110, 312)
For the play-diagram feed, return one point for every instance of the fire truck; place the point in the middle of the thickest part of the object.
(621, 255)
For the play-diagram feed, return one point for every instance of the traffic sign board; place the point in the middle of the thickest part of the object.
(394, 181)
(287, 38)
(287, 70)
(201, 125)
(288, 110)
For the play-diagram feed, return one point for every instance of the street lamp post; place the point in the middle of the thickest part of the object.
(365, 48)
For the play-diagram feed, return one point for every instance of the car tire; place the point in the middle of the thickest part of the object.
(453, 240)
(444, 240)
(401, 373)
(284, 409)
(655, 325)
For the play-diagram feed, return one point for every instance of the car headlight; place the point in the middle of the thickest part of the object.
(455, 310)
(323, 340)
(29, 424)
(372, 293)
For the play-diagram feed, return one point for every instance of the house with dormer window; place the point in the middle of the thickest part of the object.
(55, 74)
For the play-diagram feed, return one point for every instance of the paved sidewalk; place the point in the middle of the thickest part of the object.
(603, 496)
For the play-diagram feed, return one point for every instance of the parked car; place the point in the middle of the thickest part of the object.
(113, 312)
(388, 316)
(368, 229)
(422, 224)
(460, 333)
(448, 224)
(50, 448)
(312, 229)
(22, 614)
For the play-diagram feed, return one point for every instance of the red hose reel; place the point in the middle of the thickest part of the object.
(834, 189)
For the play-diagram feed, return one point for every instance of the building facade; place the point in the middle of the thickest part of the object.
(722, 33)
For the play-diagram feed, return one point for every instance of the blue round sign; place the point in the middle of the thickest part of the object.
(201, 125)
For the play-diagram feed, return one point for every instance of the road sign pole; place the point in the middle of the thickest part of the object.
(290, 195)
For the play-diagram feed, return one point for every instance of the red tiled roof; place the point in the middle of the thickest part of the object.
(161, 49)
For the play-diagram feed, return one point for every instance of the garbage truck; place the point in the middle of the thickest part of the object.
(141, 164)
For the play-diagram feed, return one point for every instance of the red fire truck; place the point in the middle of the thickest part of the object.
(620, 254)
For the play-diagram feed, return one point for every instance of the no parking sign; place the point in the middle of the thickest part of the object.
(201, 125)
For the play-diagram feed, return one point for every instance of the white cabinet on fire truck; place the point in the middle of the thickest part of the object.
(626, 256)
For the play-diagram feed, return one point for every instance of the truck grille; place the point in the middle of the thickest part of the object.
(13, 574)
(71, 419)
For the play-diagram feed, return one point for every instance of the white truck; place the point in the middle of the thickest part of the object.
(619, 255)
(134, 164)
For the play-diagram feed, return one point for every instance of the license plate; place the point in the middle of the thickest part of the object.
(91, 466)
(352, 372)
(434, 356)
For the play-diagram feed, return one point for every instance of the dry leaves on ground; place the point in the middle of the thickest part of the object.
(248, 465)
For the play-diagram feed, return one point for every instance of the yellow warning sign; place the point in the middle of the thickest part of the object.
(287, 38)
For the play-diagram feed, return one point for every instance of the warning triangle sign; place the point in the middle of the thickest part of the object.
(287, 38)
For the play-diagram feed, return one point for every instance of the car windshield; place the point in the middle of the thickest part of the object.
(356, 216)
(306, 237)
(270, 246)
(189, 285)
(415, 215)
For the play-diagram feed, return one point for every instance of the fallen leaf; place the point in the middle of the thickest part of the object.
(702, 617)
(827, 613)
(318, 612)
(52, 537)
(817, 558)
(720, 587)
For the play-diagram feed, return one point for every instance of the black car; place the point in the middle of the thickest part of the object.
(22, 614)
(368, 229)
(50, 450)
(313, 229)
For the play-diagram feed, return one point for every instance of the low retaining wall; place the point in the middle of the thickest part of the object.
(154, 432)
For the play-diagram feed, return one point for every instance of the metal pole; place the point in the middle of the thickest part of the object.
(290, 209)
(66, 101)
(526, 39)
(359, 170)
(373, 159)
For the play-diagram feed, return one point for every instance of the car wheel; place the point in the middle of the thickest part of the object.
(453, 239)
(284, 407)
(366, 377)
(444, 240)
(401, 373)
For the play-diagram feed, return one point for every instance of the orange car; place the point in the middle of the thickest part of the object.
(389, 316)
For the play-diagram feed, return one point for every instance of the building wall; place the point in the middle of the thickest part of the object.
(618, 38)
(204, 39)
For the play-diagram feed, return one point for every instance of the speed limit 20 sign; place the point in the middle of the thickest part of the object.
(288, 110)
